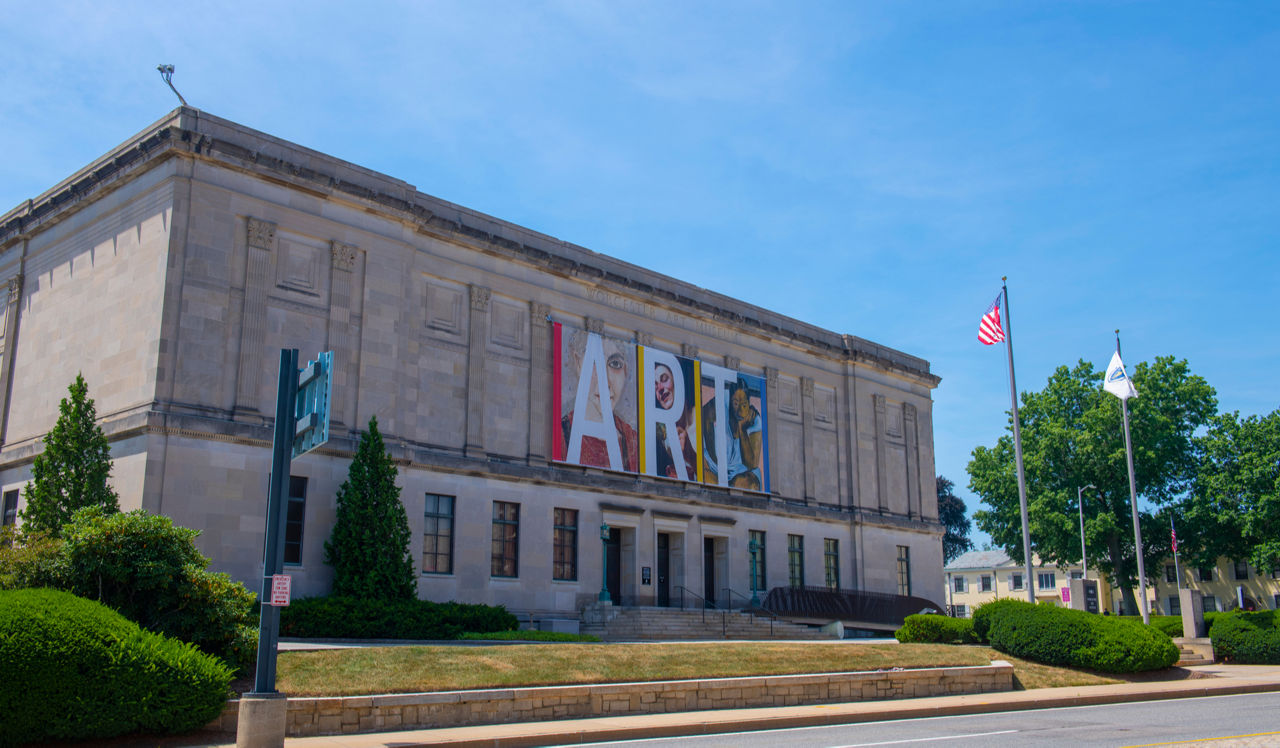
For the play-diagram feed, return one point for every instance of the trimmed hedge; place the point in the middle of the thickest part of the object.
(1172, 625)
(1252, 638)
(983, 614)
(1074, 638)
(360, 618)
(930, 628)
(74, 669)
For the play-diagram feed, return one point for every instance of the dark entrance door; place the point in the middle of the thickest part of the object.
(708, 572)
(613, 551)
(664, 570)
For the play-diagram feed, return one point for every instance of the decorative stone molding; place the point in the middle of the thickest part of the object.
(771, 377)
(732, 362)
(344, 256)
(15, 288)
(595, 325)
(539, 310)
(479, 298)
(261, 233)
(806, 386)
(645, 339)
(689, 350)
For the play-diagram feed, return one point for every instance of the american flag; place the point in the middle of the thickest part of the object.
(1173, 535)
(989, 330)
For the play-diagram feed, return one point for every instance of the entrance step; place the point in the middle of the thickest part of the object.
(670, 624)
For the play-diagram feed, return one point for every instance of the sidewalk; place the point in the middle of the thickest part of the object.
(1211, 680)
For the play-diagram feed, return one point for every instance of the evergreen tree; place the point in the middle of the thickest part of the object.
(369, 547)
(951, 513)
(72, 471)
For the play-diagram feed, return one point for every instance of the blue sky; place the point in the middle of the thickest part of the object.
(871, 167)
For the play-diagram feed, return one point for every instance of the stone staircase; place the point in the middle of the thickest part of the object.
(672, 624)
(1194, 651)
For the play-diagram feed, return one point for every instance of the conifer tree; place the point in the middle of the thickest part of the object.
(72, 471)
(369, 547)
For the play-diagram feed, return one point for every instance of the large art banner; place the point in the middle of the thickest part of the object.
(637, 409)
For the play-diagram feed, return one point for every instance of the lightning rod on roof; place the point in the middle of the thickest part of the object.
(166, 72)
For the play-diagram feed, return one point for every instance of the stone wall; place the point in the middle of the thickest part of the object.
(360, 714)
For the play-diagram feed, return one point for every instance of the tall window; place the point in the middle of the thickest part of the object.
(1175, 605)
(506, 539)
(795, 560)
(1242, 569)
(960, 584)
(984, 582)
(1205, 573)
(755, 559)
(295, 515)
(1015, 581)
(437, 534)
(1046, 580)
(904, 570)
(1210, 603)
(10, 507)
(831, 562)
(1170, 574)
(565, 543)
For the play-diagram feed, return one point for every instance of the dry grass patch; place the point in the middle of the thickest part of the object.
(372, 670)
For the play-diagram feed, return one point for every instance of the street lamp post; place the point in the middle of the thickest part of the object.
(604, 564)
(1084, 563)
(755, 549)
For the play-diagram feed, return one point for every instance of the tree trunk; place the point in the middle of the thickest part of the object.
(1123, 579)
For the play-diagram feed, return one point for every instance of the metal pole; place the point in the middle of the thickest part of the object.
(1133, 505)
(1177, 569)
(1017, 445)
(1084, 561)
(604, 563)
(273, 555)
(755, 549)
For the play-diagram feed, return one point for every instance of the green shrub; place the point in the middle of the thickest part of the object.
(1247, 637)
(983, 613)
(1060, 636)
(359, 618)
(1170, 625)
(74, 669)
(150, 571)
(928, 628)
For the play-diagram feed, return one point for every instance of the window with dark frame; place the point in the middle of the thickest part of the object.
(565, 544)
(1210, 603)
(795, 560)
(1015, 581)
(506, 539)
(1046, 580)
(984, 582)
(757, 570)
(1175, 605)
(294, 519)
(1205, 573)
(904, 570)
(831, 562)
(437, 534)
(959, 584)
(1170, 574)
(1242, 569)
(10, 507)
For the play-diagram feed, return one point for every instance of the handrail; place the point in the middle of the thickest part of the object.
(724, 622)
(754, 609)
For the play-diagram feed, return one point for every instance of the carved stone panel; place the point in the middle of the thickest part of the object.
(788, 396)
(344, 256)
(508, 326)
(445, 310)
(300, 265)
(824, 405)
(262, 234)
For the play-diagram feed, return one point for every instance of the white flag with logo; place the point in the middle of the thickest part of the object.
(1117, 382)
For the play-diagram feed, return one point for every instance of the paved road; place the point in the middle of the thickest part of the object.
(1227, 721)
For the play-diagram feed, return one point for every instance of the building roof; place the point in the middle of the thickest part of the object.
(980, 560)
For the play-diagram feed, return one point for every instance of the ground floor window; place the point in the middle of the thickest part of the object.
(755, 549)
(1175, 606)
(904, 570)
(10, 507)
(565, 544)
(831, 562)
(437, 534)
(795, 560)
(1210, 604)
(506, 539)
(960, 611)
(294, 519)
(1046, 580)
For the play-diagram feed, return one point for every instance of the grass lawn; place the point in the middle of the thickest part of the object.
(374, 670)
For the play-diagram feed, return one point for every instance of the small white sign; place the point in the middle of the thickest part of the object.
(280, 586)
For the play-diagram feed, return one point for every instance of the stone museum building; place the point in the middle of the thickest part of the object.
(561, 420)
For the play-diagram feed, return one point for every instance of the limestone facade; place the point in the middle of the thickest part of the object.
(173, 270)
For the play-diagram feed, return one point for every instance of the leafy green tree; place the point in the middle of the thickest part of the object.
(951, 513)
(1234, 508)
(1072, 437)
(369, 547)
(72, 471)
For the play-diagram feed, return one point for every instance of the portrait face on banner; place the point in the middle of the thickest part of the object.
(734, 430)
(669, 422)
(594, 396)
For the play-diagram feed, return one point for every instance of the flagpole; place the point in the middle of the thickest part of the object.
(1133, 504)
(1173, 533)
(1017, 443)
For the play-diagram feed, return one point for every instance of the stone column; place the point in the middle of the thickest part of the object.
(253, 326)
(341, 272)
(477, 334)
(771, 416)
(914, 489)
(882, 421)
(7, 348)
(806, 418)
(540, 363)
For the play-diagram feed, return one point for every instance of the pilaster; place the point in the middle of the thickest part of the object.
(7, 348)
(260, 240)
(806, 415)
(540, 358)
(477, 334)
(344, 259)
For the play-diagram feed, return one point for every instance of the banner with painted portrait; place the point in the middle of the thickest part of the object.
(594, 400)
(735, 433)
(669, 415)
